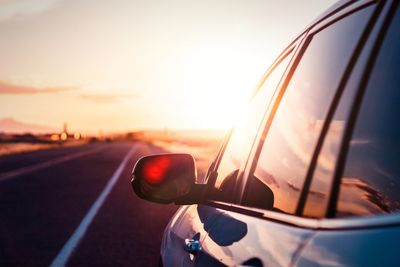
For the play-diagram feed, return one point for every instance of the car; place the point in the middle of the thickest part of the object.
(310, 176)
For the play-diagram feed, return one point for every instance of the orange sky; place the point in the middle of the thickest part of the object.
(123, 65)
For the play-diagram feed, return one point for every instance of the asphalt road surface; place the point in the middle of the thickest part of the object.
(75, 206)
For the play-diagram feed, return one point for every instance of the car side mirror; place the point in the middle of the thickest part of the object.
(164, 178)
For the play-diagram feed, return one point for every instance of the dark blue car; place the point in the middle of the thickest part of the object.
(311, 174)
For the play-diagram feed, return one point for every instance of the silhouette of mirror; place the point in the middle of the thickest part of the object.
(223, 229)
(164, 178)
(258, 194)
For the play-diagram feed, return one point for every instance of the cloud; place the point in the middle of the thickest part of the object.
(7, 88)
(15, 8)
(104, 98)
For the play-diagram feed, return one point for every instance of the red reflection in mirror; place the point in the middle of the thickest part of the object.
(154, 171)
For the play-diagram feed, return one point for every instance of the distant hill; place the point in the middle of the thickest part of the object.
(10, 125)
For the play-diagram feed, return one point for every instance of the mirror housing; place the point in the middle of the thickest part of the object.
(165, 178)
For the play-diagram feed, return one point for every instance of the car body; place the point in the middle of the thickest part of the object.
(310, 176)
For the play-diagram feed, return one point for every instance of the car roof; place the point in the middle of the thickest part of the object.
(332, 10)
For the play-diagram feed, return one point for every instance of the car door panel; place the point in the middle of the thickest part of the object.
(353, 247)
(238, 239)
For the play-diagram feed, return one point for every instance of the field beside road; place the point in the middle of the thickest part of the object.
(23, 147)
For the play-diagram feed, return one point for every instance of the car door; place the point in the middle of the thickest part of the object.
(269, 225)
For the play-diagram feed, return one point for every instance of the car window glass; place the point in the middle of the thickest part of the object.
(245, 132)
(290, 141)
(318, 195)
(371, 179)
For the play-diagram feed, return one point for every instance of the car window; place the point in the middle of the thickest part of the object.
(371, 179)
(244, 133)
(320, 187)
(296, 126)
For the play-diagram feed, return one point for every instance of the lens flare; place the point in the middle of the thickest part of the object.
(155, 170)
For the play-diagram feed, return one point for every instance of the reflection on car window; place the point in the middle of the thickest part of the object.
(244, 133)
(371, 179)
(295, 129)
(318, 195)
(317, 198)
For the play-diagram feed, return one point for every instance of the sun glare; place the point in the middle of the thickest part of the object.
(211, 82)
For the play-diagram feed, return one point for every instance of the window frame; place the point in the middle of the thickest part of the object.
(370, 29)
(269, 114)
(392, 7)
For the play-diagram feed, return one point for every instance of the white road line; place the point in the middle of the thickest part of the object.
(66, 252)
(12, 174)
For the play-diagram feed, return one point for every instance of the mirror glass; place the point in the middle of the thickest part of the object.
(164, 178)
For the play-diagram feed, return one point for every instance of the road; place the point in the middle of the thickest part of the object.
(62, 206)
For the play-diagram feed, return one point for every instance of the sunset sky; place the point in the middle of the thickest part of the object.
(126, 65)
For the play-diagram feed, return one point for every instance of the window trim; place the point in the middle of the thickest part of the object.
(264, 77)
(324, 224)
(343, 11)
(291, 53)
